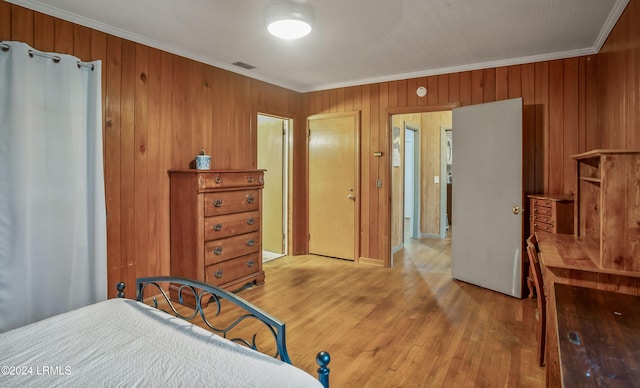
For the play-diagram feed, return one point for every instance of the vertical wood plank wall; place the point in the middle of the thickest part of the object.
(431, 122)
(559, 110)
(159, 109)
(619, 82)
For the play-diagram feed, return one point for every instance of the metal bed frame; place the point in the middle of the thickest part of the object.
(197, 294)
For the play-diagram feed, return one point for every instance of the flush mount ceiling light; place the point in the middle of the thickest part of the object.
(288, 19)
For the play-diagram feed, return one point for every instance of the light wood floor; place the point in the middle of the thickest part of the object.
(409, 326)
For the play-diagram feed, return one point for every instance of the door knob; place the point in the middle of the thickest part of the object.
(515, 209)
(351, 197)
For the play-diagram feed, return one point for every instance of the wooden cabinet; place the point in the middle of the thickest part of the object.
(607, 208)
(215, 226)
(551, 213)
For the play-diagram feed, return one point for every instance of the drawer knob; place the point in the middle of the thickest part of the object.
(218, 273)
(218, 180)
(217, 227)
(217, 203)
(250, 263)
(250, 198)
(250, 221)
(250, 179)
(250, 243)
(217, 250)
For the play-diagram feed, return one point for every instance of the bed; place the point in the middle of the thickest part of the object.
(157, 340)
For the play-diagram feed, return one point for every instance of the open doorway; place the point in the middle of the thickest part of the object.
(272, 157)
(446, 188)
(411, 182)
(431, 175)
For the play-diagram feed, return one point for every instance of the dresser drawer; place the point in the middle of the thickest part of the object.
(231, 202)
(542, 211)
(544, 227)
(222, 180)
(233, 269)
(230, 247)
(542, 202)
(230, 225)
(543, 218)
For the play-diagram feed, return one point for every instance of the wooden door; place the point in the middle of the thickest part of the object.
(486, 244)
(271, 158)
(333, 185)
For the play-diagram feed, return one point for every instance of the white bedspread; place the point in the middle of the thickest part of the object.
(123, 343)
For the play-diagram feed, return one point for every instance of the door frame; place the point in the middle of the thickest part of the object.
(415, 214)
(388, 260)
(286, 172)
(357, 169)
(443, 181)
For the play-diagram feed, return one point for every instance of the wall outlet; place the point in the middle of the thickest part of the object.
(436, 179)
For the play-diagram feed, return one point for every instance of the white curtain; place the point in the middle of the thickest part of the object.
(52, 205)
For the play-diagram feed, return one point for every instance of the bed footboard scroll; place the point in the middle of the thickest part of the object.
(204, 294)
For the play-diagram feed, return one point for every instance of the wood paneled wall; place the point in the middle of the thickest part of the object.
(431, 123)
(619, 82)
(159, 111)
(560, 119)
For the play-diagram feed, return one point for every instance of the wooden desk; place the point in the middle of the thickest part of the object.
(565, 251)
(570, 260)
(598, 337)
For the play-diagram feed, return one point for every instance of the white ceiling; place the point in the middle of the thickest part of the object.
(354, 41)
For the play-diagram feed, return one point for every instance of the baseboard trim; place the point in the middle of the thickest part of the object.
(370, 261)
(397, 248)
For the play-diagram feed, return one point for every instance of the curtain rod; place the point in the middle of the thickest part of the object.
(5, 47)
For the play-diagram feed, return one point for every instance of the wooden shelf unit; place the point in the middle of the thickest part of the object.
(607, 206)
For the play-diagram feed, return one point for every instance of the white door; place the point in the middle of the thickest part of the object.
(486, 236)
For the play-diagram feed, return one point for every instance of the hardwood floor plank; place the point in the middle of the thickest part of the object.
(407, 326)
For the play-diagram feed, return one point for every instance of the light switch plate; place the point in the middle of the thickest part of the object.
(436, 179)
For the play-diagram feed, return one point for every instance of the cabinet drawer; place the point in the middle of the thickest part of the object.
(226, 271)
(543, 219)
(230, 225)
(222, 180)
(542, 202)
(544, 211)
(231, 202)
(541, 226)
(230, 247)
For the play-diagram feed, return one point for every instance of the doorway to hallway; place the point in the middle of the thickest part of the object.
(272, 157)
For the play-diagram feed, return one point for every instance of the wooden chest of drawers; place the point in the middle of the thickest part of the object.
(551, 213)
(215, 226)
